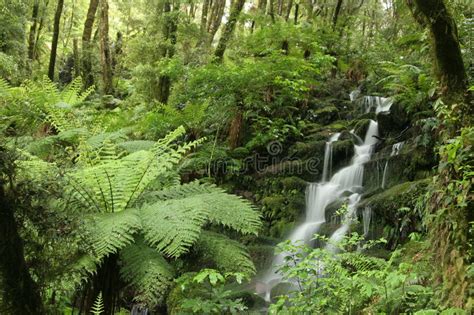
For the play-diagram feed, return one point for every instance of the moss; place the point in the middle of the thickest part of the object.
(293, 182)
(239, 153)
(327, 114)
(360, 127)
(338, 125)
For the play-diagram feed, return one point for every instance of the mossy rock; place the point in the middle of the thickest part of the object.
(361, 126)
(393, 209)
(338, 125)
(393, 122)
(342, 152)
(308, 148)
(326, 115)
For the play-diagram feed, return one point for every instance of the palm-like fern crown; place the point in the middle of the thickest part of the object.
(136, 207)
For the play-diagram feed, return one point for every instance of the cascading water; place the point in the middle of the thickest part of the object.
(320, 195)
(396, 148)
(366, 218)
(380, 104)
(327, 167)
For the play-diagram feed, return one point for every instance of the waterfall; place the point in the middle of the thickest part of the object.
(320, 195)
(327, 168)
(380, 104)
(354, 95)
(366, 218)
(396, 148)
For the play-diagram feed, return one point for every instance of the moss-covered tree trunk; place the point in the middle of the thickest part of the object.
(449, 208)
(105, 54)
(235, 10)
(33, 28)
(21, 293)
(87, 75)
(54, 42)
(447, 52)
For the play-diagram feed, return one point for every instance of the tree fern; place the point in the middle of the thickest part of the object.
(110, 232)
(229, 210)
(147, 272)
(227, 255)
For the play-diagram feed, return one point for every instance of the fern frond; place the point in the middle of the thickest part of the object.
(147, 271)
(110, 232)
(174, 225)
(32, 168)
(136, 145)
(98, 307)
(222, 208)
(227, 255)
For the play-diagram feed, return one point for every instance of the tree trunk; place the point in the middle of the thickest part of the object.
(337, 11)
(449, 64)
(169, 34)
(54, 43)
(216, 18)
(204, 12)
(32, 35)
(297, 7)
(288, 10)
(21, 293)
(77, 59)
(448, 214)
(105, 55)
(87, 75)
(235, 10)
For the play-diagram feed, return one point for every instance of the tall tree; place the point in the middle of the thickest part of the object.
(86, 44)
(449, 64)
(105, 54)
(170, 26)
(448, 213)
(33, 28)
(54, 42)
(235, 10)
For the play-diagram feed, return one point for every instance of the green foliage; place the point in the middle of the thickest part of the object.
(348, 281)
(98, 307)
(213, 297)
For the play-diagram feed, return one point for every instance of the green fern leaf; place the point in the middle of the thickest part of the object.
(147, 272)
(110, 232)
(227, 255)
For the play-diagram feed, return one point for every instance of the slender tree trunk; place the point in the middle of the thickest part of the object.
(40, 28)
(235, 10)
(204, 12)
(216, 18)
(105, 54)
(32, 35)
(288, 10)
(87, 75)
(170, 27)
(54, 43)
(77, 58)
(21, 293)
(271, 10)
(337, 11)
(297, 7)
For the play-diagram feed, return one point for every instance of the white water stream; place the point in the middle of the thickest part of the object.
(320, 195)
(396, 148)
